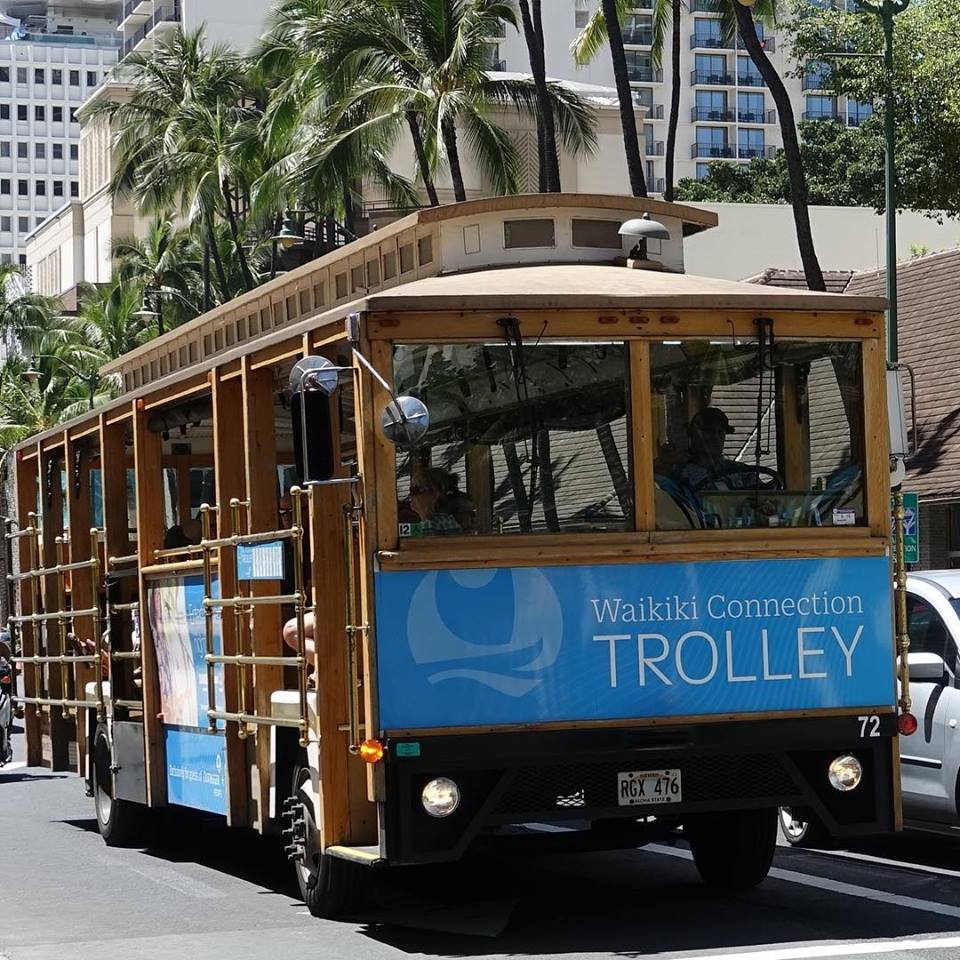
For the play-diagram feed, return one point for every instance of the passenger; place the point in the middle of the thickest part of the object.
(429, 497)
(706, 466)
(460, 505)
(285, 513)
(290, 637)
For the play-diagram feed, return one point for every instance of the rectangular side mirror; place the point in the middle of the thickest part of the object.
(897, 412)
(926, 667)
(310, 412)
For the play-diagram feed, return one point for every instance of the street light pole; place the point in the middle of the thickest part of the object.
(90, 380)
(888, 9)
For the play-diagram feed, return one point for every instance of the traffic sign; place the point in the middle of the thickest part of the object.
(911, 528)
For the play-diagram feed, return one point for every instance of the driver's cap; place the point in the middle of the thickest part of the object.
(711, 418)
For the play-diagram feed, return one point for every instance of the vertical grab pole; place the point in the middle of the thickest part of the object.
(208, 615)
(351, 631)
(900, 571)
(36, 625)
(238, 618)
(97, 632)
(62, 626)
(298, 589)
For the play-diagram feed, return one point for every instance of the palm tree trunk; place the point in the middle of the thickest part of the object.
(217, 260)
(235, 233)
(449, 133)
(546, 127)
(414, 124)
(207, 300)
(799, 198)
(349, 215)
(628, 120)
(674, 102)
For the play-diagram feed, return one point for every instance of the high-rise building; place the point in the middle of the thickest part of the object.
(726, 110)
(51, 60)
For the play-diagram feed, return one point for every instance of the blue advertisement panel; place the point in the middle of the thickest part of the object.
(196, 769)
(575, 643)
(194, 755)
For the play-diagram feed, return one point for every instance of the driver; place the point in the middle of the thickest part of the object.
(707, 467)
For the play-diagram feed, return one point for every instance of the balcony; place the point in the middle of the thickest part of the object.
(703, 41)
(659, 185)
(813, 81)
(654, 111)
(855, 119)
(705, 6)
(653, 148)
(821, 115)
(498, 32)
(140, 9)
(711, 150)
(159, 22)
(757, 116)
(638, 37)
(750, 80)
(704, 78)
(752, 153)
(641, 74)
(71, 39)
(707, 115)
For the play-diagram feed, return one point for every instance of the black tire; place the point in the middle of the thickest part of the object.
(801, 829)
(122, 823)
(733, 850)
(329, 887)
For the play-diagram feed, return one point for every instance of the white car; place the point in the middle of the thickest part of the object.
(930, 758)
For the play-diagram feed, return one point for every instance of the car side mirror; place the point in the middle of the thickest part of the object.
(405, 421)
(926, 667)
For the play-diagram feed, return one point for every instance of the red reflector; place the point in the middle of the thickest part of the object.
(907, 724)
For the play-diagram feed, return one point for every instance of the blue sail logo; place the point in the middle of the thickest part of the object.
(501, 628)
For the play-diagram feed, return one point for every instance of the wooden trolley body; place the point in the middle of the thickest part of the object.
(84, 561)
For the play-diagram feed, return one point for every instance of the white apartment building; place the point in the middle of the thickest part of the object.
(73, 247)
(51, 59)
(726, 111)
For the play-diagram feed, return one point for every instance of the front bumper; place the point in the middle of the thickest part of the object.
(571, 775)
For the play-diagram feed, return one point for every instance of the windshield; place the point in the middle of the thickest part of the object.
(523, 438)
(757, 433)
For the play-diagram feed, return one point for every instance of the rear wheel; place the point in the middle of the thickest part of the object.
(122, 823)
(802, 829)
(329, 887)
(733, 850)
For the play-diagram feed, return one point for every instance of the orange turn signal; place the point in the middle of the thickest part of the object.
(371, 751)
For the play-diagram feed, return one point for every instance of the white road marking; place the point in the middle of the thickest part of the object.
(841, 949)
(188, 886)
(885, 862)
(836, 886)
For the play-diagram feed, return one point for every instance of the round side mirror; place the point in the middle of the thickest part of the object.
(405, 421)
(314, 373)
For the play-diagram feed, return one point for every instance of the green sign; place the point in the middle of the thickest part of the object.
(911, 528)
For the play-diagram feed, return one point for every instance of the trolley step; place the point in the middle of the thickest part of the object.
(365, 856)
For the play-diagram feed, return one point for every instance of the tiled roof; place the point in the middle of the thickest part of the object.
(928, 296)
(836, 280)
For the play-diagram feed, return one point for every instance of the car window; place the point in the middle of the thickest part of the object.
(928, 633)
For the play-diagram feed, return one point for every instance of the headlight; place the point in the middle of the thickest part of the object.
(440, 797)
(845, 773)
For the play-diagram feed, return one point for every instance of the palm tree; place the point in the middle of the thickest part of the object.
(174, 140)
(165, 262)
(24, 317)
(588, 44)
(108, 324)
(743, 19)
(546, 128)
(426, 60)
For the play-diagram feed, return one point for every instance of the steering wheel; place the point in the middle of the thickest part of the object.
(774, 480)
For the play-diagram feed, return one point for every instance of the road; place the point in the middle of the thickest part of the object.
(214, 893)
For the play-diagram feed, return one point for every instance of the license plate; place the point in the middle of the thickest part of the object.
(638, 787)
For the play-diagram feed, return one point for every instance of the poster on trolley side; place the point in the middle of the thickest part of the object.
(195, 756)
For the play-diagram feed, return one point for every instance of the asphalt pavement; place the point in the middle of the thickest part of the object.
(209, 892)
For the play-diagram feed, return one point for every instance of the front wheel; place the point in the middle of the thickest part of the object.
(734, 849)
(329, 887)
(122, 823)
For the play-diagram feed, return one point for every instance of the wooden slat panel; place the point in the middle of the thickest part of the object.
(146, 455)
(385, 453)
(261, 483)
(229, 476)
(449, 326)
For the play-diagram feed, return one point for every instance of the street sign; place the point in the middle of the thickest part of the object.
(911, 528)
